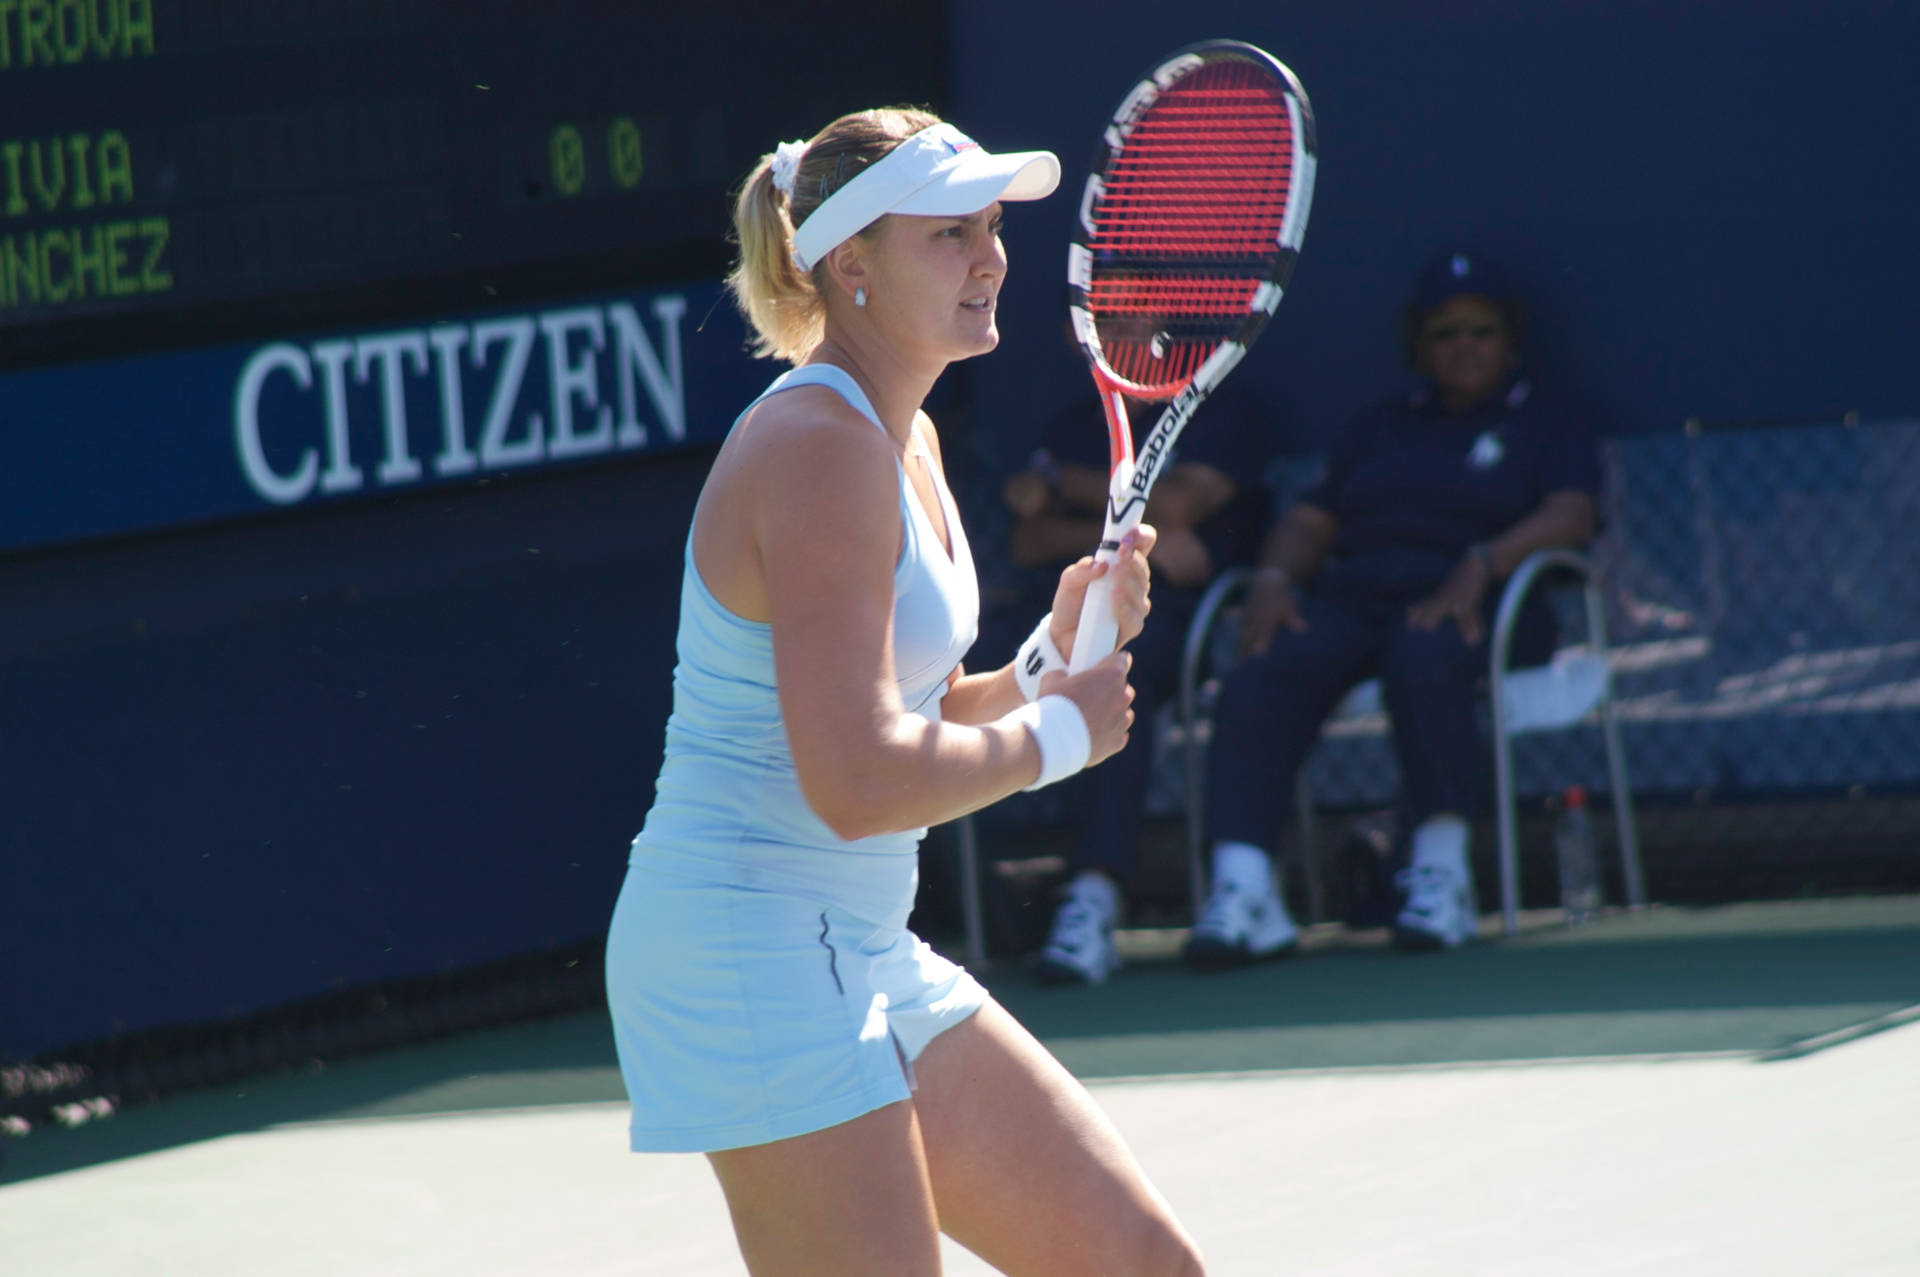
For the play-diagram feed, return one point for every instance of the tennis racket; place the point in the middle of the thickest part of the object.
(1189, 226)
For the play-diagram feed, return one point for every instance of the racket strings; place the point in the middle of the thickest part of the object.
(1187, 226)
(1206, 169)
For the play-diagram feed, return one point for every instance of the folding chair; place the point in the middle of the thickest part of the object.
(1556, 696)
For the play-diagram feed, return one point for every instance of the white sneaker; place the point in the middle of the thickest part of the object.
(1240, 925)
(1080, 948)
(1440, 912)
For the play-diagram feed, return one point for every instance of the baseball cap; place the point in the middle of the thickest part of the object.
(1459, 272)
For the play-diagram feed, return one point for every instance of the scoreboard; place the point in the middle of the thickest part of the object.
(177, 173)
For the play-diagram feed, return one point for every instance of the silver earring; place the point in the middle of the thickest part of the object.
(859, 296)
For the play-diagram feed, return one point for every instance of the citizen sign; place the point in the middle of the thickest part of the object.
(459, 398)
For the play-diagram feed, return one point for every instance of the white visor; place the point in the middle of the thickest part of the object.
(938, 172)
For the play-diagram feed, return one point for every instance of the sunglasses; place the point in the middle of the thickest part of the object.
(1448, 332)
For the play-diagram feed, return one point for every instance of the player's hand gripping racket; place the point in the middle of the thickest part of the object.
(1191, 220)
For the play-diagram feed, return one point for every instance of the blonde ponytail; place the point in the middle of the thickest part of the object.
(785, 306)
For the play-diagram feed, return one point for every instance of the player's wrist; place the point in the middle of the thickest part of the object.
(1037, 657)
(1060, 732)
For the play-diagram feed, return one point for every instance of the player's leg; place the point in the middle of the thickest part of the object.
(744, 1021)
(847, 1201)
(1027, 1172)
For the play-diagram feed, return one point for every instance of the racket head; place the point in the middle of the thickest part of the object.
(1191, 219)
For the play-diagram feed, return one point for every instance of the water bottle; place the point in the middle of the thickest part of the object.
(1573, 845)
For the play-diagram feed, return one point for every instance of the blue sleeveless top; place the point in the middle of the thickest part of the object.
(727, 806)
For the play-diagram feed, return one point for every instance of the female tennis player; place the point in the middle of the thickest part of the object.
(855, 1092)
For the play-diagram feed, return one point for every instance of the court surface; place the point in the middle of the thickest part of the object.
(1719, 1091)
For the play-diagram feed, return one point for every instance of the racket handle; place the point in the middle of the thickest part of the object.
(1098, 632)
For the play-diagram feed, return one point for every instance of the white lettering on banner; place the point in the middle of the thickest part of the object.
(665, 385)
(455, 457)
(269, 483)
(517, 335)
(566, 380)
(397, 466)
(341, 474)
(495, 452)
(580, 418)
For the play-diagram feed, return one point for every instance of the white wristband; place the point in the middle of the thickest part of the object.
(1038, 655)
(1061, 733)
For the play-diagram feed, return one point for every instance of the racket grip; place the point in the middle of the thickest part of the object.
(1098, 632)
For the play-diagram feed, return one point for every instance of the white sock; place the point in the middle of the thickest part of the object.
(1441, 841)
(1244, 865)
(1097, 890)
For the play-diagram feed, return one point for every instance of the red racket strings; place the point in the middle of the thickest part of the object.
(1187, 224)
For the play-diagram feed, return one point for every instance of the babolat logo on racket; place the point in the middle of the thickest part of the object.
(1154, 453)
(1147, 464)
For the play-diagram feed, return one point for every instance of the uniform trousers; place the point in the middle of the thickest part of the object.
(1273, 705)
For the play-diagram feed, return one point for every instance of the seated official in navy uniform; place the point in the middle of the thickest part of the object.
(1389, 567)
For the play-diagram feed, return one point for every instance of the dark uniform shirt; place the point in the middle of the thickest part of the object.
(1413, 488)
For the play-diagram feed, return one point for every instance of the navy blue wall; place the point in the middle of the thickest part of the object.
(264, 759)
(1711, 205)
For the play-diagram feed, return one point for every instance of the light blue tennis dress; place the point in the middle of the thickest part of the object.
(761, 978)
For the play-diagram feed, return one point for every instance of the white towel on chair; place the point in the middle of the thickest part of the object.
(1557, 694)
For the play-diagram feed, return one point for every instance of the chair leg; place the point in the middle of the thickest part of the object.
(1305, 849)
(970, 906)
(1509, 837)
(1196, 819)
(1626, 828)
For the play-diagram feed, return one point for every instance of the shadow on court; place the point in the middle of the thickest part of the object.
(564, 1060)
(1756, 980)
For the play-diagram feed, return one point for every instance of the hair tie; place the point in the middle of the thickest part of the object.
(786, 166)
